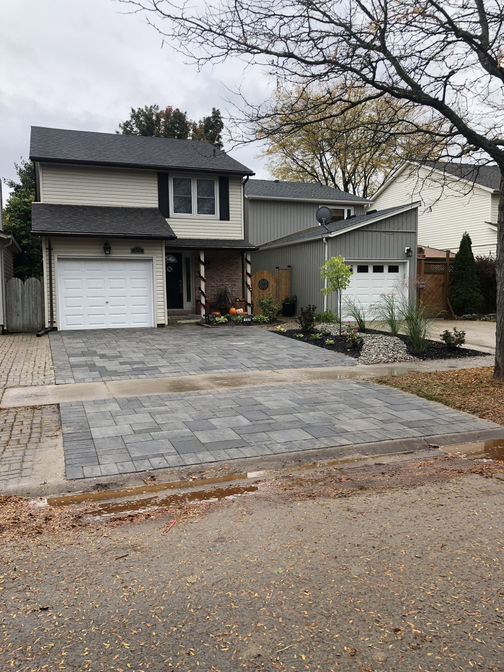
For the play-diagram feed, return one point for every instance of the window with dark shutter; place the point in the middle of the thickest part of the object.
(163, 195)
(224, 198)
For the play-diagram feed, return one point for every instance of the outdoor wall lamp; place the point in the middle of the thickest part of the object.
(106, 248)
(408, 251)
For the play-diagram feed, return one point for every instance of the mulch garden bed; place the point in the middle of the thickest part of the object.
(434, 349)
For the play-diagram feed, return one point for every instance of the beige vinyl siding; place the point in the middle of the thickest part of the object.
(89, 185)
(495, 208)
(193, 227)
(93, 248)
(448, 208)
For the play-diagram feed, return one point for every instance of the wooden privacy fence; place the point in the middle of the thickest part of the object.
(434, 286)
(24, 305)
(264, 284)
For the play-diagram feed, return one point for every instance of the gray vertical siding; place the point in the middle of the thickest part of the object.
(305, 261)
(268, 220)
(381, 241)
(384, 240)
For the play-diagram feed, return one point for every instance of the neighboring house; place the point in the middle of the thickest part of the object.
(454, 198)
(380, 246)
(275, 208)
(135, 228)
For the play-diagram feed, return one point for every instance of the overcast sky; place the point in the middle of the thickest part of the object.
(82, 64)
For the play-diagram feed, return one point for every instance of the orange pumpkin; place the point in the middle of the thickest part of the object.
(232, 311)
(217, 314)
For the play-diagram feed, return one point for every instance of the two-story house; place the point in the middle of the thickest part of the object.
(134, 228)
(454, 198)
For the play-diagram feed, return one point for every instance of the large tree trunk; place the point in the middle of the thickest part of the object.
(499, 345)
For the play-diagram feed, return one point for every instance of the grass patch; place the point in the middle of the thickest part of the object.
(470, 390)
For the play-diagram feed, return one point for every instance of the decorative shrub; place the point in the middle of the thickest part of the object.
(328, 316)
(465, 294)
(269, 308)
(281, 330)
(485, 269)
(329, 341)
(261, 319)
(356, 310)
(306, 318)
(353, 338)
(299, 335)
(416, 323)
(388, 310)
(453, 339)
(316, 337)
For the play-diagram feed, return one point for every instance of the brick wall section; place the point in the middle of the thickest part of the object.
(224, 269)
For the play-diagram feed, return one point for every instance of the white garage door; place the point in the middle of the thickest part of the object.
(371, 279)
(104, 293)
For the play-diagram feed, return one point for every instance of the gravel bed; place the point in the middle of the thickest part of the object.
(380, 348)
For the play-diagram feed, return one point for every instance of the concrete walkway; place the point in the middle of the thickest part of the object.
(40, 395)
(478, 334)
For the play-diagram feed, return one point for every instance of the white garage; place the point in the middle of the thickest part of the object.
(104, 293)
(372, 279)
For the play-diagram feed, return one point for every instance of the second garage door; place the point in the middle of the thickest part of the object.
(370, 280)
(104, 293)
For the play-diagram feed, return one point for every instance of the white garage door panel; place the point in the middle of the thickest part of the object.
(381, 278)
(105, 293)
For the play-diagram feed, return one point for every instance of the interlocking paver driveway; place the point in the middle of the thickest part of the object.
(141, 433)
(113, 354)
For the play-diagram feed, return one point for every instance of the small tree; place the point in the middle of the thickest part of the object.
(337, 275)
(465, 293)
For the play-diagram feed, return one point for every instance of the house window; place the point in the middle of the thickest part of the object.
(393, 268)
(338, 213)
(194, 196)
(378, 269)
(362, 269)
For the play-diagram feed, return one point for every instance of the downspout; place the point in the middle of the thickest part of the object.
(326, 257)
(51, 326)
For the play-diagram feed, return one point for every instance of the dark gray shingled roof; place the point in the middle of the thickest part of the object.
(297, 191)
(213, 244)
(315, 232)
(113, 149)
(89, 220)
(487, 176)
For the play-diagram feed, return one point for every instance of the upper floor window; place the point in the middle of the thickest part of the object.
(194, 196)
(339, 213)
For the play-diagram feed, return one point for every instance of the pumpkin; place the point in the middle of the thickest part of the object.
(217, 314)
(239, 311)
(232, 311)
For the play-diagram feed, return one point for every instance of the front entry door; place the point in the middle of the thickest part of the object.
(174, 284)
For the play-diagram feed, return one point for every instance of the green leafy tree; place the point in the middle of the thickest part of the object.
(171, 122)
(465, 293)
(210, 129)
(336, 275)
(17, 222)
(153, 121)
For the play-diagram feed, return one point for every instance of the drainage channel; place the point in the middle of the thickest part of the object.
(149, 497)
(478, 450)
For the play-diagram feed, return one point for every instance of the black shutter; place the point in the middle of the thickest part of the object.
(224, 198)
(163, 199)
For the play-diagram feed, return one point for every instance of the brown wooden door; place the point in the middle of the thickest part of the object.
(263, 285)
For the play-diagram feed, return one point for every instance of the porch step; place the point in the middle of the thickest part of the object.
(184, 319)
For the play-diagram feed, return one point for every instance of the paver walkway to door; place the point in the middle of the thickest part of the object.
(142, 433)
(114, 354)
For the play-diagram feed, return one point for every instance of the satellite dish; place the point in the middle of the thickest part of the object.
(323, 215)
